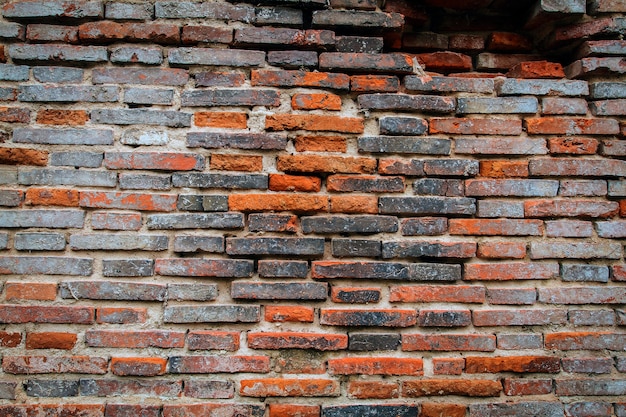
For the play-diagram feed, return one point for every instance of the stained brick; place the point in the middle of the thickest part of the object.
(510, 271)
(407, 102)
(217, 364)
(215, 57)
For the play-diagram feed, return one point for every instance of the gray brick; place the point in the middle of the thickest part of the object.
(144, 182)
(423, 103)
(107, 290)
(191, 9)
(390, 125)
(487, 105)
(58, 9)
(349, 224)
(144, 137)
(11, 198)
(228, 181)
(292, 59)
(615, 229)
(590, 386)
(55, 53)
(148, 96)
(502, 146)
(513, 86)
(275, 246)
(144, 76)
(388, 271)
(39, 241)
(449, 84)
(589, 188)
(280, 16)
(351, 19)
(4, 240)
(608, 90)
(7, 390)
(373, 341)
(412, 249)
(128, 11)
(141, 116)
(500, 208)
(557, 105)
(47, 388)
(146, 388)
(359, 44)
(439, 186)
(424, 226)
(49, 176)
(217, 140)
(8, 175)
(219, 268)
(520, 409)
(12, 31)
(520, 341)
(230, 97)
(279, 290)
(508, 188)
(45, 265)
(108, 241)
(346, 248)
(270, 222)
(195, 221)
(62, 219)
(407, 145)
(212, 389)
(8, 94)
(370, 410)
(584, 273)
(197, 202)
(127, 267)
(427, 205)
(133, 54)
(192, 292)
(10, 72)
(77, 159)
(215, 57)
(283, 269)
(63, 136)
(582, 250)
(211, 244)
(212, 314)
(592, 317)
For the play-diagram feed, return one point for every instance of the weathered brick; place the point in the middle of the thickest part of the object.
(63, 136)
(108, 290)
(52, 33)
(366, 62)
(121, 315)
(510, 271)
(128, 268)
(519, 317)
(424, 226)
(344, 248)
(329, 164)
(569, 208)
(501, 146)
(445, 61)
(58, 53)
(293, 59)
(349, 224)
(275, 246)
(45, 265)
(14, 72)
(297, 340)
(571, 126)
(277, 202)
(215, 57)
(211, 314)
(138, 366)
(608, 90)
(54, 365)
(370, 410)
(209, 389)
(575, 387)
(519, 364)
(30, 291)
(142, 116)
(375, 366)
(489, 61)
(576, 295)
(217, 364)
(521, 409)
(152, 387)
(48, 176)
(592, 317)
(504, 227)
(588, 365)
(203, 409)
(584, 341)
(374, 83)
(148, 96)
(407, 102)
(427, 205)
(283, 269)
(355, 19)
(278, 387)
(354, 204)
(39, 241)
(436, 249)
(128, 11)
(134, 339)
(8, 390)
(391, 144)
(280, 16)
(471, 388)
(590, 188)
(520, 341)
(584, 250)
(230, 97)
(59, 388)
(484, 105)
(299, 79)
(467, 126)
(36, 93)
(33, 9)
(449, 84)
(137, 137)
(584, 272)
(133, 54)
(59, 75)
(128, 201)
(107, 31)
(511, 86)
(356, 317)
(279, 291)
(189, 9)
(12, 31)
(46, 314)
(279, 122)
(219, 268)
(510, 296)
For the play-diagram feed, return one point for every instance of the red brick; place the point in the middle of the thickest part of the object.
(504, 169)
(448, 342)
(210, 409)
(495, 227)
(515, 387)
(279, 387)
(232, 162)
(463, 387)
(3, 56)
(440, 410)
(138, 366)
(300, 79)
(281, 182)
(585, 341)
(437, 294)
(121, 315)
(488, 61)
(355, 295)
(30, 291)
(315, 101)
(52, 197)
(104, 220)
(298, 314)
(573, 146)
(139, 339)
(502, 250)
(277, 202)
(132, 32)
(14, 115)
(62, 117)
(320, 143)
(299, 363)
(297, 340)
(571, 126)
(467, 126)
(506, 271)
(10, 339)
(128, 410)
(448, 366)
(394, 63)
(519, 317)
(221, 119)
(22, 156)
(167, 161)
(51, 340)
(466, 43)
(325, 164)
(219, 79)
(213, 340)
(445, 61)
(46, 364)
(374, 84)
(353, 204)
(508, 42)
(520, 364)
(219, 364)
(373, 390)
(570, 208)
(205, 34)
(83, 410)
(376, 366)
(128, 201)
(46, 314)
(314, 122)
(290, 410)
(537, 69)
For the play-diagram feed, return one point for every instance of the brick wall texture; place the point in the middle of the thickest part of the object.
(312, 208)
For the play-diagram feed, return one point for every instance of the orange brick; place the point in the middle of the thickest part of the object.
(314, 122)
(20, 156)
(504, 169)
(576, 146)
(52, 197)
(226, 120)
(374, 83)
(30, 291)
(316, 101)
(281, 182)
(537, 69)
(289, 313)
(277, 202)
(281, 387)
(247, 163)
(502, 250)
(376, 366)
(521, 364)
(329, 164)
(321, 143)
(290, 410)
(51, 340)
(373, 389)
(438, 410)
(354, 204)
(465, 387)
(138, 366)
(62, 117)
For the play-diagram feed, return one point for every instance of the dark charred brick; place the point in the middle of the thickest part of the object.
(283, 269)
(350, 224)
(279, 290)
(345, 248)
(373, 341)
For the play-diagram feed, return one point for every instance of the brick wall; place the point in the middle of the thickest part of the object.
(312, 208)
